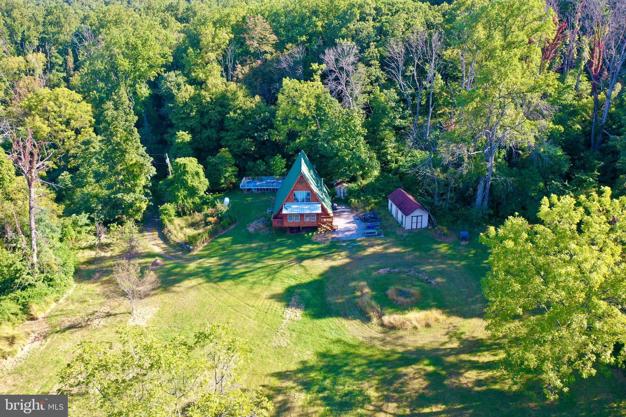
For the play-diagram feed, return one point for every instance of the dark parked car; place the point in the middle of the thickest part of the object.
(370, 217)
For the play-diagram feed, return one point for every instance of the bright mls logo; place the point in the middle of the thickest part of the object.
(33, 405)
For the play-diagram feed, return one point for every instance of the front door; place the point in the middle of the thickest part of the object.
(416, 222)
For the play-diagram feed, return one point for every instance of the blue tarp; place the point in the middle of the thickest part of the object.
(260, 183)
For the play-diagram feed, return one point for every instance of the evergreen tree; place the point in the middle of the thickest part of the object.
(114, 175)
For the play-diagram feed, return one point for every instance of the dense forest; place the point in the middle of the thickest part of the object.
(112, 109)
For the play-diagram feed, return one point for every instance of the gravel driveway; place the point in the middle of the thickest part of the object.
(348, 226)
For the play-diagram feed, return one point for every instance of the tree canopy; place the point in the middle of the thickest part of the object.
(557, 289)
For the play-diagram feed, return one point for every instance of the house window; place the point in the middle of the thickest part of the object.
(302, 196)
(310, 218)
(293, 218)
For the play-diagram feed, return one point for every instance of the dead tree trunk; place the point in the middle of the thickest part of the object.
(32, 207)
(484, 185)
(31, 159)
(594, 117)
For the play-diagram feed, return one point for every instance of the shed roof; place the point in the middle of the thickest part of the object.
(302, 166)
(404, 201)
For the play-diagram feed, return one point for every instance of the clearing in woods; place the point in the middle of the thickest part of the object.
(314, 350)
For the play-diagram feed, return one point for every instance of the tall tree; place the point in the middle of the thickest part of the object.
(61, 118)
(32, 159)
(501, 94)
(606, 28)
(309, 118)
(413, 64)
(259, 36)
(221, 170)
(13, 204)
(121, 49)
(557, 289)
(140, 375)
(345, 76)
(114, 170)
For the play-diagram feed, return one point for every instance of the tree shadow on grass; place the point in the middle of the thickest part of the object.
(239, 254)
(335, 292)
(356, 379)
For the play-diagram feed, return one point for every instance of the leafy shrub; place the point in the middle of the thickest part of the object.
(30, 302)
(167, 213)
(186, 186)
(221, 170)
(12, 271)
(227, 220)
(77, 230)
(10, 310)
(368, 196)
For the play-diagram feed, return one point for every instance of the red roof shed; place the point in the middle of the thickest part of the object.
(407, 211)
(404, 201)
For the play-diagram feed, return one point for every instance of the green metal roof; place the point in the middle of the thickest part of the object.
(303, 166)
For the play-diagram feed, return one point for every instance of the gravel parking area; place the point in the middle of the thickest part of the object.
(348, 226)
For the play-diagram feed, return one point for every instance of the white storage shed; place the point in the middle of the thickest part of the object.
(406, 210)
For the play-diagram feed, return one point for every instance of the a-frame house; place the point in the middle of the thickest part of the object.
(302, 201)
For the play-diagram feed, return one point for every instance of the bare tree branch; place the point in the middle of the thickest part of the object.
(32, 159)
(412, 63)
(344, 77)
(291, 61)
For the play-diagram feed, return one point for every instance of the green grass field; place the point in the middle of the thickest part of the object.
(331, 361)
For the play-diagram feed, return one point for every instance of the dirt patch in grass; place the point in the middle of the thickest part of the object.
(403, 297)
(408, 271)
(413, 319)
(142, 315)
(293, 312)
(158, 262)
(322, 237)
(367, 304)
(37, 331)
(260, 225)
(442, 234)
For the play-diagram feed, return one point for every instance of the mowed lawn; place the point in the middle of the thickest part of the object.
(310, 347)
